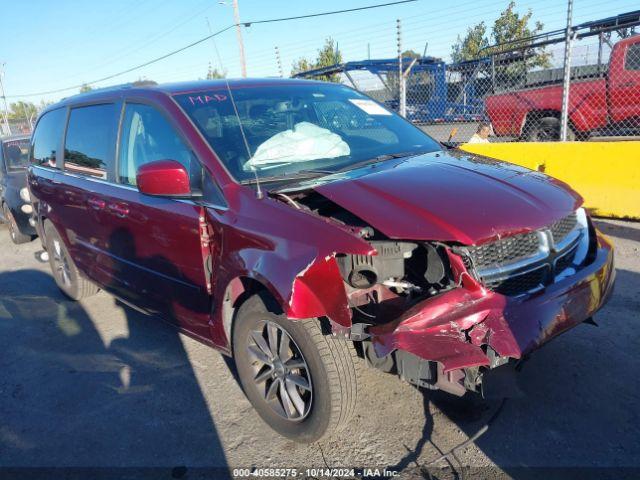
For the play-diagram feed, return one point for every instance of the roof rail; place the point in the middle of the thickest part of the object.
(121, 86)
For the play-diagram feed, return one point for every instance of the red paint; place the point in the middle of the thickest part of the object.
(163, 177)
(592, 104)
(452, 197)
(437, 328)
(152, 251)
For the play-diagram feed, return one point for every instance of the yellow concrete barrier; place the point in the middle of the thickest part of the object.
(606, 174)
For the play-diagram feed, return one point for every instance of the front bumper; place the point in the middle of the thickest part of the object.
(454, 328)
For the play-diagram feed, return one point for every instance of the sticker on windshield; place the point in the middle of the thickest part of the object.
(369, 106)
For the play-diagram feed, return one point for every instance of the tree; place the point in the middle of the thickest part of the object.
(468, 48)
(213, 73)
(84, 88)
(301, 65)
(411, 54)
(510, 30)
(328, 55)
(22, 112)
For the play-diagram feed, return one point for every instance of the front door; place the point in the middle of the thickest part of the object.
(152, 245)
(624, 85)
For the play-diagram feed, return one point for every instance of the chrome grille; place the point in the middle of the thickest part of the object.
(505, 251)
(526, 262)
(563, 227)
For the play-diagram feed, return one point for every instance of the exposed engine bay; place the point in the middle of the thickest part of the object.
(401, 273)
(439, 313)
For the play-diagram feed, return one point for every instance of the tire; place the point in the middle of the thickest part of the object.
(64, 271)
(328, 366)
(546, 129)
(15, 234)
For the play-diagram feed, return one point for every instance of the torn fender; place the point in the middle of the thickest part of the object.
(319, 291)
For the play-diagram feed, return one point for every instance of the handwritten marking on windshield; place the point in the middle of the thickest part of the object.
(203, 99)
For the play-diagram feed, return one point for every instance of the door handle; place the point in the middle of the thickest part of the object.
(119, 210)
(96, 203)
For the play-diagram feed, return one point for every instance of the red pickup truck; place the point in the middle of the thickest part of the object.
(595, 105)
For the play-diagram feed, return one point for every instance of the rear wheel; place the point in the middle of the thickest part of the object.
(546, 129)
(301, 382)
(64, 271)
(17, 237)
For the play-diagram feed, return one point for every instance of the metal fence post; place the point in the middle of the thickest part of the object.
(402, 90)
(566, 84)
(5, 111)
(279, 62)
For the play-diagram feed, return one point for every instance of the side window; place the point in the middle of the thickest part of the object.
(47, 138)
(147, 136)
(90, 141)
(632, 60)
(211, 193)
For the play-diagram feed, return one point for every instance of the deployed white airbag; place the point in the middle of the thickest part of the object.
(304, 143)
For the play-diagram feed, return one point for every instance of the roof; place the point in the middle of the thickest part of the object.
(174, 88)
(179, 87)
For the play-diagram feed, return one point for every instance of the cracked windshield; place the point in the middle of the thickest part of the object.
(293, 131)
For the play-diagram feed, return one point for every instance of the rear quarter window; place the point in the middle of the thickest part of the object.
(47, 137)
(632, 60)
(90, 141)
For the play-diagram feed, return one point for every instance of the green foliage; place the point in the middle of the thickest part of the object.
(22, 111)
(469, 47)
(84, 88)
(510, 27)
(411, 54)
(328, 55)
(213, 73)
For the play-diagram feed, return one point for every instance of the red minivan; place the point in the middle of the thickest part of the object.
(302, 227)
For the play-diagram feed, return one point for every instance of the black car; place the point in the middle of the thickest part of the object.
(15, 204)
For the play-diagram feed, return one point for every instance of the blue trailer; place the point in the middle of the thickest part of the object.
(435, 92)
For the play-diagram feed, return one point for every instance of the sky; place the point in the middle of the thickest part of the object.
(47, 45)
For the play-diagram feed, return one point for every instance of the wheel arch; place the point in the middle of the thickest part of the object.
(237, 291)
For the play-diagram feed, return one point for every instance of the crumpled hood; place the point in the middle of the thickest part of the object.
(450, 196)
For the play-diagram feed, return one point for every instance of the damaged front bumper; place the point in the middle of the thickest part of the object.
(465, 328)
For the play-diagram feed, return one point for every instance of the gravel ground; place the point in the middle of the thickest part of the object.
(95, 384)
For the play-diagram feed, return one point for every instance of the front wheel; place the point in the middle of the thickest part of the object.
(16, 235)
(302, 382)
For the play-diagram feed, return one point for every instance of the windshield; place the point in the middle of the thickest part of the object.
(292, 129)
(16, 154)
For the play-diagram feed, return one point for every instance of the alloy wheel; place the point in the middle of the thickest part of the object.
(280, 372)
(11, 222)
(61, 263)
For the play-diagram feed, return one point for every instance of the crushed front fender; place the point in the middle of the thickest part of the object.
(453, 327)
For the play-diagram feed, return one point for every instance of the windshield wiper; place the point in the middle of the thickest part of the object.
(299, 175)
(380, 158)
(315, 172)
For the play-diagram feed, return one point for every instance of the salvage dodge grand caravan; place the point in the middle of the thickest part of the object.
(299, 225)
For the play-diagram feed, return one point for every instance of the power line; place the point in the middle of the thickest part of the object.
(248, 24)
(204, 39)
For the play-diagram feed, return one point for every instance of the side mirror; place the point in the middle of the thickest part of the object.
(164, 178)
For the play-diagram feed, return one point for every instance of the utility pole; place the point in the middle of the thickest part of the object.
(279, 62)
(566, 83)
(236, 19)
(5, 111)
(402, 95)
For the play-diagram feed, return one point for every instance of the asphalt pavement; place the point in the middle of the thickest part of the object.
(99, 386)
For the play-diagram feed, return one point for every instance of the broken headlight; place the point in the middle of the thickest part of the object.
(403, 266)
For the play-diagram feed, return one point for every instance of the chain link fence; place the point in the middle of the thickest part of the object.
(14, 128)
(520, 91)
